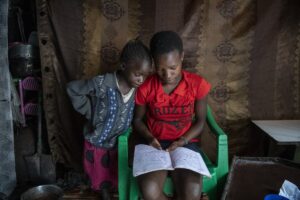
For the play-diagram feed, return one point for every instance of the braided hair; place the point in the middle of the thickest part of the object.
(135, 50)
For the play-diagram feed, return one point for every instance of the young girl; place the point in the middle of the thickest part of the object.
(170, 99)
(107, 101)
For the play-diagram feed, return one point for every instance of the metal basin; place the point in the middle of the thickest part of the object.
(43, 192)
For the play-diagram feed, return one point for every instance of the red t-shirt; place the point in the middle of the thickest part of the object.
(169, 116)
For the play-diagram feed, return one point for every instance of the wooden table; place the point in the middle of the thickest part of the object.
(284, 132)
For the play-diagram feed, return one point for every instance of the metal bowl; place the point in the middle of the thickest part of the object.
(43, 192)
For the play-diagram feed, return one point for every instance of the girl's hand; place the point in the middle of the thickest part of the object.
(175, 144)
(154, 143)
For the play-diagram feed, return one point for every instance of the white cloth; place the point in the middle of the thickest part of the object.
(127, 96)
(289, 190)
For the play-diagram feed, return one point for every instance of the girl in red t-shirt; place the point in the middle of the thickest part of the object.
(170, 99)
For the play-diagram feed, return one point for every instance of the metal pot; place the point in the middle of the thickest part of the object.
(24, 60)
(43, 192)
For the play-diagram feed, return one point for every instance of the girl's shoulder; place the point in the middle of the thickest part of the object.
(192, 77)
(98, 79)
(107, 80)
(102, 83)
(197, 84)
(102, 77)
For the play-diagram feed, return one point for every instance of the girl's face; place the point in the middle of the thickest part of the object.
(168, 67)
(137, 71)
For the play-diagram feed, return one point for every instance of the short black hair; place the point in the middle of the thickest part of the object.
(165, 42)
(135, 50)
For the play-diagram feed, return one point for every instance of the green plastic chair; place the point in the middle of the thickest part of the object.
(128, 188)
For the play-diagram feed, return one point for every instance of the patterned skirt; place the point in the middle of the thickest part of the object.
(101, 166)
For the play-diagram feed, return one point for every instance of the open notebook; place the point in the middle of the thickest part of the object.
(149, 159)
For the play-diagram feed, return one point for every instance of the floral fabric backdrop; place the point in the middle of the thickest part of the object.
(248, 50)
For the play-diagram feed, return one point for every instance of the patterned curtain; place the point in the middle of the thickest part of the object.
(248, 50)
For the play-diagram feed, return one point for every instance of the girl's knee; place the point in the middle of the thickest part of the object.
(151, 190)
(190, 187)
(189, 192)
(151, 185)
(193, 190)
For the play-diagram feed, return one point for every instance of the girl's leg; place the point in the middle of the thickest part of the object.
(90, 165)
(188, 184)
(101, 167)
(151, 185)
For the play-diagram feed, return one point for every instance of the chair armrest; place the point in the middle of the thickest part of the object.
(214, 127)
(222, 145)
